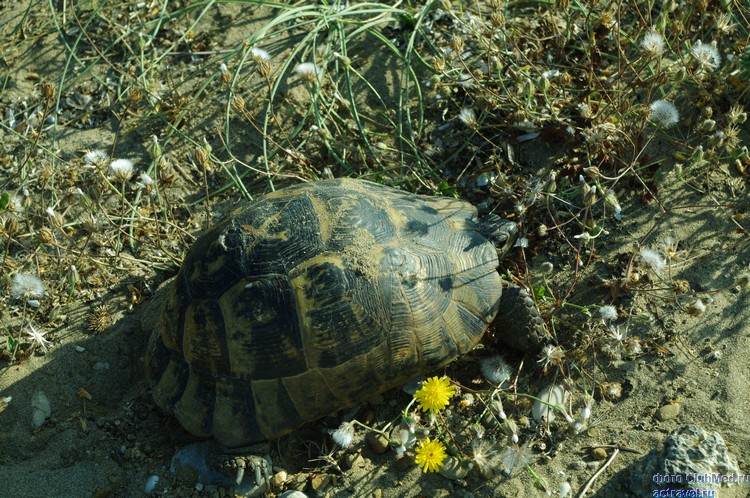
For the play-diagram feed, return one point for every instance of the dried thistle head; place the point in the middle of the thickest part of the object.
(551, 356)
(101, 319)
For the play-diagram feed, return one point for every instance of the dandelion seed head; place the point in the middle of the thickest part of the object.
(653, 259)
(608, 312)
(653, 44)
(616, 335)
(698, 307)
(468, 117)
(26, 286)
(95, 159)
(514, 458)
(496, 370)
(706, 55)
(259, 55)
(551, 355)
(307, 71)
(144, 181)
(344, 435)
(484, 455)
(664, 113)
(121, 169)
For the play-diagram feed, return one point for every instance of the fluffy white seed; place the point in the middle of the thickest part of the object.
(706, 55)
(121, 169)
(26, 286)
(653, 259)
(344, 435)
(258, 55)
(608, 312)
(307, 70)
(653, 44)
(496, 370)
(468, 117)
(664, 113)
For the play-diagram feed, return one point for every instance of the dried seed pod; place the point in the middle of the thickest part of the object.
(45, 235)
(48, 92)
(100, 320)
(610, 390)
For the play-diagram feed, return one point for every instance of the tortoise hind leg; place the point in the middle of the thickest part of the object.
(518, 323)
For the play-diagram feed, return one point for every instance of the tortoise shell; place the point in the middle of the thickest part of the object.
(313, 298)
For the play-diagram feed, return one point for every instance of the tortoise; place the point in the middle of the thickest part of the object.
(315, 297)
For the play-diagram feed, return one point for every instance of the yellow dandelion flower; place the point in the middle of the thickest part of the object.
(430, 455)
(435, 394)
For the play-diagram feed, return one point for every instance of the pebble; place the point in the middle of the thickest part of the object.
(405, 463)
(151, 484)
(41, 409)
(292, 494)
(378, 493)
(278, 479)
(354, 460)
(299, 483)
(668, 412)
(378, 443)
(452, 469)
(598, 453)
(320, 481)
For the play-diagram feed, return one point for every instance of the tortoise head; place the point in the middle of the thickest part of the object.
(501, 232)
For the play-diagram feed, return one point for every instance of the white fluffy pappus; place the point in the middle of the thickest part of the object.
(653, 44)
(344, 435)
(664, 113)
(653, 259)
(608, 312)
(706, 55)
(26, 286)
(496, 370)
(307, 70)
(121, 169)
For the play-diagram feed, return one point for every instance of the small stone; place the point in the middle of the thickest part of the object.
(598, 453)
(452, 469)
(668, 412)
(151, 484)
(687, 451)
(279, 478)
(378, 493)
(102, 493)
(353, 460)
(320, 481)
(299, 482)
(41, 409)
(293, 494)
(378, 443)
(405, 463)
